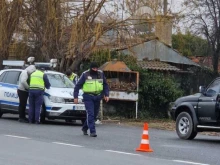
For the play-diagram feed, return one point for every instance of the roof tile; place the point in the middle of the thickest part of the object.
(157, 65)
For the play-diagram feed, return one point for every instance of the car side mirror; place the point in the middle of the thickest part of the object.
(202, 89)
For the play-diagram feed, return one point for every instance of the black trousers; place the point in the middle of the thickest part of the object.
(23, 96)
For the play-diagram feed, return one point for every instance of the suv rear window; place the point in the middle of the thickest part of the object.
(2, 76)
(11, 77)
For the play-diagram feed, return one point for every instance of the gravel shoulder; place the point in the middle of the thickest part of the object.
(165, 124)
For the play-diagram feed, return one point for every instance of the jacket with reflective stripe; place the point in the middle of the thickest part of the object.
(37, 81)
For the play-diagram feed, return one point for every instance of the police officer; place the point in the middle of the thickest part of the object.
(38, 82)
(72, 76)
(95, 87)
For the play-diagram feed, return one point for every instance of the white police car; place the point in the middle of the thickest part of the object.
(58, 100)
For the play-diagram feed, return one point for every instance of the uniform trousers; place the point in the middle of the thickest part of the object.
(35, 105)
(92, 105)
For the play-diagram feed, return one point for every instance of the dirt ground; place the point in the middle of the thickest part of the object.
(157, 124)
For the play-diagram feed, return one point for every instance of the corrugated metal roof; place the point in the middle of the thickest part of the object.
(157, 65)
(115, 66)
(155, 49)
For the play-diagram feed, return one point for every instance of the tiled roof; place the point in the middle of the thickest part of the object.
(157, 65)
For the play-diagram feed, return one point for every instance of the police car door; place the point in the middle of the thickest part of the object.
(8, 92)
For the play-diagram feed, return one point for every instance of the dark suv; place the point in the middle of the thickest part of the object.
(199, 112)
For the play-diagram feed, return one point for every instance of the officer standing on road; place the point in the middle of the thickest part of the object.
(23, 87)
(38, 82)
(72, 76)
(95, 87)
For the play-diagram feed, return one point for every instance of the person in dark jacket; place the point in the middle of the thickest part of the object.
(95, 87)
(38, 82)
(23, 87)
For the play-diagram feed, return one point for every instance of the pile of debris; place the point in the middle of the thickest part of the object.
(115, 84)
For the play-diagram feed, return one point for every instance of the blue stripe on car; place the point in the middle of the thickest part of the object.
(9, 102)
(16, 104)
(9, 85)
(48, 108)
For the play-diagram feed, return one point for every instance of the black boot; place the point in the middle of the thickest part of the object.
(84, 132)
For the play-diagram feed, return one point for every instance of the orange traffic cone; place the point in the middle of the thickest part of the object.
(145, 145)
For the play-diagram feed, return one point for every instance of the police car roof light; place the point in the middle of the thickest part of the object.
(30, 59)
(53, 63)
(13, 63)
(44, 64)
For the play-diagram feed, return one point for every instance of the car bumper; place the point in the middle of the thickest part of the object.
(66, 111)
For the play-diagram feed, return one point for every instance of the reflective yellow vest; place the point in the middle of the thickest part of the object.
(73, 75)
(36, 80)
(93, 86)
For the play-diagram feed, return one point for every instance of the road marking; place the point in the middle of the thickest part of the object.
(119, 152)
(66, 144)
(181, 161)
(20, 137)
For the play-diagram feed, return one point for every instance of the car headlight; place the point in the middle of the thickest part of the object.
(56, 99)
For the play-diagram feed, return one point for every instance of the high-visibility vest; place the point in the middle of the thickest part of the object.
(73, 75)
(93, 86)
(36, 80)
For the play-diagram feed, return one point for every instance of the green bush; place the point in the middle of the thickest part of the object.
(156, 92)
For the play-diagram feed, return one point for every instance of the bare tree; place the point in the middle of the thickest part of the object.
(43, 19)
(10, 12)
(204, 18)
(72, 30)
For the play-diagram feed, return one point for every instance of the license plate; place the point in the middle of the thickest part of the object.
(78, 107)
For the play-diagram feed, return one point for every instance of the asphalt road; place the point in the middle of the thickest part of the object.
(60, 143)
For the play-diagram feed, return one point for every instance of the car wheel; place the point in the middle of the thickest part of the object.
(42, 114)
(184, 126)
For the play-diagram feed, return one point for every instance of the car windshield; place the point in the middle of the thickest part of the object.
(60, 81)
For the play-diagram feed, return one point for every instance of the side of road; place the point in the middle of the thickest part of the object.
(153, 123)
(169, 125)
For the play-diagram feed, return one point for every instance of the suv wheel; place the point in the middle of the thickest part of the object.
(184, 126)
